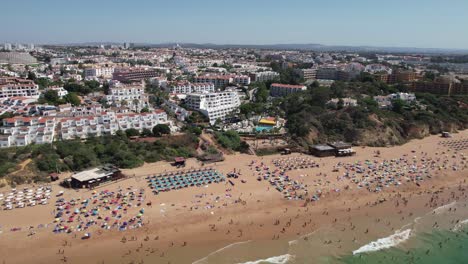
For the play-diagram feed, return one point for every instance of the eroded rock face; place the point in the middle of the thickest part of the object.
(383, 132)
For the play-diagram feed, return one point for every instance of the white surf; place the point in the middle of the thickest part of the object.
(283, 259)
(386, 242)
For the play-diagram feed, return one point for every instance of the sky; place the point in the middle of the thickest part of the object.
(390, 23)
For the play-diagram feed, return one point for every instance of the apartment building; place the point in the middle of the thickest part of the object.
(133, 95)
(135, 74)
(444, 85)
(327, 73)
(22, 131)
(219, 81)
(278, 89)
(187, 87)
(241, 80)
(217, 105)
(402, 77)
(105, 72)
(16, 87)
(307, 74)
(263, 76)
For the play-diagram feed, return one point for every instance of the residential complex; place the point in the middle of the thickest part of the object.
(132, 95)
(11, 87)
(264, 76)
(221, 81)
(278, 89)
(187, 87)
(22, 131)
(134, 74)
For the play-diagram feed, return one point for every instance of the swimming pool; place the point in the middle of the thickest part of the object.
(261, 128)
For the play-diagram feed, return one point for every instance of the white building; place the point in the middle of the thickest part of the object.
(347, 102)
(264, 76)
(7, 46)
(133, 94)
(242, 80)
(159, 81)
(217, 105)
(385, 101)
(13, 87)
(406, 97)
(105, 72)
(109, 123)
(61, 92)
(187, 87)
(22, 131)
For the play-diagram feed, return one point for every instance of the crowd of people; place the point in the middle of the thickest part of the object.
(374, 175)
(289, 188)
(294, 163)
(119, 210)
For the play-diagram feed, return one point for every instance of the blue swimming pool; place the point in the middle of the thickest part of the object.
(261, 128)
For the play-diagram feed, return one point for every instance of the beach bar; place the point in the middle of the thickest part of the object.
(332, 149)
(94, 177)
(322, 151)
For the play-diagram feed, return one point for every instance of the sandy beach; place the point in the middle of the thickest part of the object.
(247, 221)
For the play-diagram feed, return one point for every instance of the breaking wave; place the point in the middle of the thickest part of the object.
(283, 259)
(386, 242)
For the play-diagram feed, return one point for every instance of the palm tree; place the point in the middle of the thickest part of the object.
(135, 103)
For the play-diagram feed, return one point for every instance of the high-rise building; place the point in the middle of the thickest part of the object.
(217, 105)
(128, 45)
(7, 46)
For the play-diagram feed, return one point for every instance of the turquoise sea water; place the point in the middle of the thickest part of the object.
(433, 248)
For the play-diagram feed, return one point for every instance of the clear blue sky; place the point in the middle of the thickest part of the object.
(404, 23)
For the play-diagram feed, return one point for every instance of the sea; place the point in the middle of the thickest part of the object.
(438, 236)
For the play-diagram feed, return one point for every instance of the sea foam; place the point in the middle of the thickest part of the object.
(386, 242)
(460, 225)
(283, 259)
